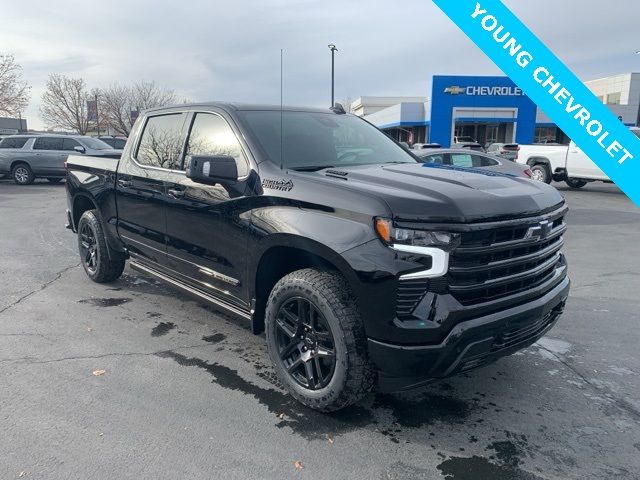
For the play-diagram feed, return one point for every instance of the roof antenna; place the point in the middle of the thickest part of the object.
(281, 122)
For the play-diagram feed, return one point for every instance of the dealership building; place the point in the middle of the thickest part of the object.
(489, 109)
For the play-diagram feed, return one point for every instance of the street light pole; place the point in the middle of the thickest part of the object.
(97, 117)
(333, 49)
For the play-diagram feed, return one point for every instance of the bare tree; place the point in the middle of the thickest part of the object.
(346, 103)
(64, 103)
(14, 91)
(117, 102)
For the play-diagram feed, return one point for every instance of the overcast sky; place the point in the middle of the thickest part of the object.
(215, 50)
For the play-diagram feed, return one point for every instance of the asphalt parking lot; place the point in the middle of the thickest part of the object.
(188, 393)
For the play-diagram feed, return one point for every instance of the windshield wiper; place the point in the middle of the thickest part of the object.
(311, 168)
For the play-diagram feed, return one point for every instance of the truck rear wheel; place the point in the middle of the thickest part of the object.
(541, 173)
(575, 182)
(100, 264)
(316, 340)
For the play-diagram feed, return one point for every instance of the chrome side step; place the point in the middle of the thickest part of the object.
(226, 306)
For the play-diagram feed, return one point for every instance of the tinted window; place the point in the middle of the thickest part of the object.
(439, 158)
(482, 161)
(69, 144)
(119, 143)
(469, 160)
(48, 143)
(94, 143)
(312, 140)
(13, 142)
(212, 135)
(161, 142)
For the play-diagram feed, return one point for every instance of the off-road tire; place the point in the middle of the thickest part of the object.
(353, 376)
(109, 263)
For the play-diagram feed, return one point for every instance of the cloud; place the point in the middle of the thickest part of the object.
(231, 50)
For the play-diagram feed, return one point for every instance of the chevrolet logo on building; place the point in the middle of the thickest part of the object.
(454, 90)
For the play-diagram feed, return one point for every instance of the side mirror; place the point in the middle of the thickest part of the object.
(79, 149)
(212, 169)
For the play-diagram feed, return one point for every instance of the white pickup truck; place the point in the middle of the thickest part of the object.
(562, 163)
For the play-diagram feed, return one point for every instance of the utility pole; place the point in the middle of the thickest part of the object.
(333, 49)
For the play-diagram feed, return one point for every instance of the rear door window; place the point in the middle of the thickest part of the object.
(161, 141)
(17, 142)
(48, 143)
(462, 159)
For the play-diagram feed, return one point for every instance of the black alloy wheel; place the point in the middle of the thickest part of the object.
(306, 346)
(88, 248)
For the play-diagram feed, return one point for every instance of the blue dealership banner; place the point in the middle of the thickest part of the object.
(552, 86)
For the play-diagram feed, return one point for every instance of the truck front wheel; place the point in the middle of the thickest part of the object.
(99, 263)
(316, 340)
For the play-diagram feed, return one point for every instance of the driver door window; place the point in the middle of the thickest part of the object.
(69, 144)
(211, 135)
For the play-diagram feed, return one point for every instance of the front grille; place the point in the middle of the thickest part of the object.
(408, 295)
(494, 263)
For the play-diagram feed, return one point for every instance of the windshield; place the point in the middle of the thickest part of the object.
(315, 140)
(94, 143)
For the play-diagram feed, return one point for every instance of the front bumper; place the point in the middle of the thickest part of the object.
(470, 344)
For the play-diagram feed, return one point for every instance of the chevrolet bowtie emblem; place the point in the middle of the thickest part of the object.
(539, 232)
(454, 90)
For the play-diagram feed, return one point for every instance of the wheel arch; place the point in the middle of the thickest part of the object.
(81, 203)
(536, 160)
(283, 254)
(14, 163)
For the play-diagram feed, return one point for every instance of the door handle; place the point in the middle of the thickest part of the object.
(175, 193)
(125, 183)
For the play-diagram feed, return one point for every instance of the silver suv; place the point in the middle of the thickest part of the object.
(27, 157)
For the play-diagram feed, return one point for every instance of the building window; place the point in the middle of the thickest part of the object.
(613, 98)
(545, 135)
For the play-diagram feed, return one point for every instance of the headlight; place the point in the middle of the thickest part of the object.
(423, 238)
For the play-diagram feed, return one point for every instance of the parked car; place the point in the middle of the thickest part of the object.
(114, 142)
(27, 157)
(422, 146)
(365, 267)
(504, 150)
(563, 163)
(466, 142)
(461, 158)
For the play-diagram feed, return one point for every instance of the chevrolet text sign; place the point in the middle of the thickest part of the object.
(485, 91)
(552, 86)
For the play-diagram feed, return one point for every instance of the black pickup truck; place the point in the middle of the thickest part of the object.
(364, 267)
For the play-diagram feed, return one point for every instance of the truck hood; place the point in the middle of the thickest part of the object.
(427, 192)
